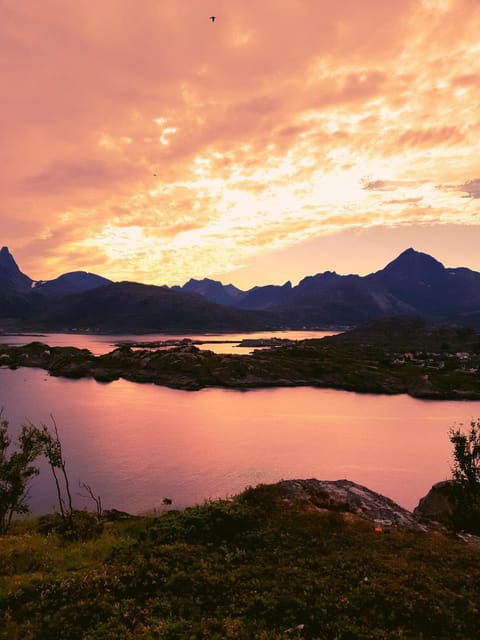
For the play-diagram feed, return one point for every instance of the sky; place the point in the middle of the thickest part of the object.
(142, 141)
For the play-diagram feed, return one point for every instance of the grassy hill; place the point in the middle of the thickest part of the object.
(254, 567)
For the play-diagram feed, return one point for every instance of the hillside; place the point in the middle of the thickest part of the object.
(67, 283)
(265, 565)
(128, 307)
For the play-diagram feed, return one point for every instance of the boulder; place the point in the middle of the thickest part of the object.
(438, 505)
(349, 497)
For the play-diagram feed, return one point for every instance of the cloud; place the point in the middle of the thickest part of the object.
(388, 185)
(471, 187)
(200, 146)
(404, 201)
(430, 136)
(380, 185)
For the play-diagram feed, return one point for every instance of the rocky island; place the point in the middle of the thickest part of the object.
(388, 356)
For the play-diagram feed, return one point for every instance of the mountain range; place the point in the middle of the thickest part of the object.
(414, 284)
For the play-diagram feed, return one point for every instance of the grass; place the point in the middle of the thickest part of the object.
(27, 557)
(253, 567)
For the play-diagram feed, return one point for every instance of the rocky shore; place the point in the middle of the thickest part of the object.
(383, 361)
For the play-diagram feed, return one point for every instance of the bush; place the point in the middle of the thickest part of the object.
(16, 470)
(86, 526)
(466, 474)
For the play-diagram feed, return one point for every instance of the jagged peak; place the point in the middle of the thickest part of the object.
(204, 281)
(412, 258)
(7, 260)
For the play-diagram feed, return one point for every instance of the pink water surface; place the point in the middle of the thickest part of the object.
(136, 444)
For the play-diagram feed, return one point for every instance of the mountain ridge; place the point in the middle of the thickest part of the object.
(414, 284)
(10, 274)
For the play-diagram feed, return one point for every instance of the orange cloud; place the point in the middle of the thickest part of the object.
(147, 142)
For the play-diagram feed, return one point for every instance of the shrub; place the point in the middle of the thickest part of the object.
(466, 473)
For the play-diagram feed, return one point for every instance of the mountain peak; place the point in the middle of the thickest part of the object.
(10, 275)
(7, 261)
(411, 260)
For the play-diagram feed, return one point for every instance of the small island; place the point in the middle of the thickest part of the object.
(390, 356)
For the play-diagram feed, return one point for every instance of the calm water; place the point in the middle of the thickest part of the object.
(100, 344)
(136, 444)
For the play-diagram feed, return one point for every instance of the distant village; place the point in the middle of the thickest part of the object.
(461, 361)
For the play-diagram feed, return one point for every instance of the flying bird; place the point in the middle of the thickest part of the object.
(212, 18)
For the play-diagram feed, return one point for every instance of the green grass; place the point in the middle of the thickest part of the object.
(250, 568)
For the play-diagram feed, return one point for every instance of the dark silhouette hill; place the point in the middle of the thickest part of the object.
(423, 283)
(266, 297)
(329, 298)
(72, 282)
(131, 307)
(213, 290)
(10, 275)
(413, 285)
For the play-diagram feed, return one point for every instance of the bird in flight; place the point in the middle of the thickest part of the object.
(212, 18)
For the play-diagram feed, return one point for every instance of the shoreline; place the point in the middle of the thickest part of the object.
(317, 363)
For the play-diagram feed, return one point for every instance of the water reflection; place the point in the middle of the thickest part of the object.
(136, 444)
(99, 344)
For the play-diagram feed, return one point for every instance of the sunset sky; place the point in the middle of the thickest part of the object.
(142, 141)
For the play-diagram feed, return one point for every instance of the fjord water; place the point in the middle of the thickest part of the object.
(99, 344)
(138, 443)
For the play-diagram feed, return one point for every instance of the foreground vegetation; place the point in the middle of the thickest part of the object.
(254, 567)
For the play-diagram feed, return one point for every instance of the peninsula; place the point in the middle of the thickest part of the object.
(389, 356)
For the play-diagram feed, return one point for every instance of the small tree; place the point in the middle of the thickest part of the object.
(466, 455)
(96, 499)
(74, 525)
(16, 470)
(466, 473)
(51, 448)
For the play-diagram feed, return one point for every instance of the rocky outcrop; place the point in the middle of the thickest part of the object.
(352, 361)
(441, 510)
(351, 498)
(438, 505)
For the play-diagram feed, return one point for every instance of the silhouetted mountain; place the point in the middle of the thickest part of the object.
(213, 290)
(414, 285)
(10, 275)
(266, 297)
(425, 284)
(325, 299)
(329, 299)
(15, 308)
(73, 282)
(131, 307)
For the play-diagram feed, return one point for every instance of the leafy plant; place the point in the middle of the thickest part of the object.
(466, 473)
(16, 470)
(466, 468)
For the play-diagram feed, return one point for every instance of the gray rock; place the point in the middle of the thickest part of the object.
(438, 505)
(350, 497)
